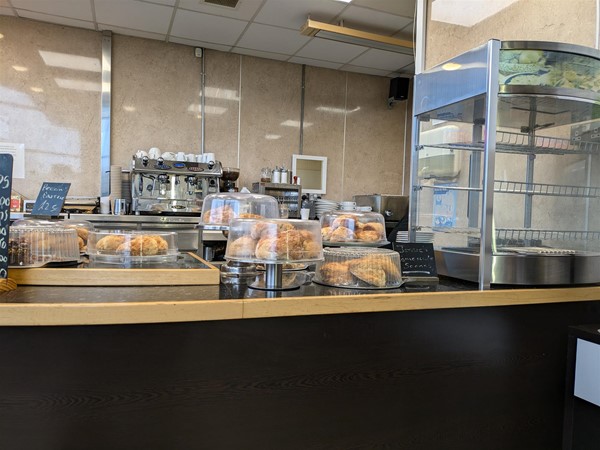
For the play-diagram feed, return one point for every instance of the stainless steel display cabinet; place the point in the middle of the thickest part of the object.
(505, 164)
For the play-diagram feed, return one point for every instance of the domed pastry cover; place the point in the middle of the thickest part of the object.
(219, 209)
(353, 227)
(274, 241)
(359, 268)
(132, 246)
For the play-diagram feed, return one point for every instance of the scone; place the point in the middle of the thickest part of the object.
(345, 220)
(242, 247)
(374, 226)
(81, 243)
(139, 246)
(336, 273)
(161, 242)
(378, 262)
(368, 236)
(326, 233)
(371, 275)
(342, 234)
(249, 216)
(110, 243)
(219, 215)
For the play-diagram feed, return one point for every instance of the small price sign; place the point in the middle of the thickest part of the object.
(417, 259)
(6, 166)
(50, 199)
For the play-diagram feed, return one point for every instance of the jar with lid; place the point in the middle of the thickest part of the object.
(276, 176)
(265, 174)
(285, 175)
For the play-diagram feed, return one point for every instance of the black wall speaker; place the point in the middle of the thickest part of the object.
(399, 88)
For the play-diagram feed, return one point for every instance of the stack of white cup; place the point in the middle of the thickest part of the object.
(115, 185)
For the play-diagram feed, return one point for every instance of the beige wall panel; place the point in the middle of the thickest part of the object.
(222, 106)
(373, 161)
(155, 98)
(270, 116)
(324, 110)
(52, 105)
(573, 22)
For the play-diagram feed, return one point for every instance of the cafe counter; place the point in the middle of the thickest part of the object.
(220, 367)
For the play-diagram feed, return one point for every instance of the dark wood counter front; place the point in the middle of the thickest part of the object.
(440, 370)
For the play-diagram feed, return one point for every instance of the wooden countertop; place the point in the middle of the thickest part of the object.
(40, 305)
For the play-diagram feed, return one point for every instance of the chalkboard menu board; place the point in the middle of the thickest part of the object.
(6, 166)
(416, 259)
(50, 199)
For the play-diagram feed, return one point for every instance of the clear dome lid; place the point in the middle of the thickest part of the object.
(83, 228)
(219, 209)
(33, 222)
(362, 228)
(274, 241)
(359, 268)
(119, 247)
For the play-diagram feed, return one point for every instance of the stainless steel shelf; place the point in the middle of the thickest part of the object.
(522, 234)
(508, 142)
(554, 190)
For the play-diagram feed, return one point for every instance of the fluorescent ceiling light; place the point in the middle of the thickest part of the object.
(332, 109)
(295, 123)
(216, 110)
(272, 137)
(466, 13)
(352, 36)
(20, 68)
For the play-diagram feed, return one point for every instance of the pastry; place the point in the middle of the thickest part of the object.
(139, 246)
(263, 229)
(326, 233)
(249, 216)
(374, 226)
(371, 275)
(110, 243)
(82, 233)
(219, 215)
(342, 234)
(242, 247)
(378, 262)
(345, 220)
(336, 273)
(81, 243)
(368, 235)
(161, 242)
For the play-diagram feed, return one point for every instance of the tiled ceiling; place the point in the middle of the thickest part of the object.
(264, 28)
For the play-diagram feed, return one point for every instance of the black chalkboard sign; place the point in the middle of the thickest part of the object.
(50, 199)
(416, 260)
(6, 166)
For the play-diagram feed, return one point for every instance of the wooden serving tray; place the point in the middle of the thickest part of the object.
(195, 271)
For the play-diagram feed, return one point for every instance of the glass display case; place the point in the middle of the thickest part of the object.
(505, 164)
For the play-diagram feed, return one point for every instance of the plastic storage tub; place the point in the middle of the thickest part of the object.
(83, 228)
(359, 268)
(36, 245)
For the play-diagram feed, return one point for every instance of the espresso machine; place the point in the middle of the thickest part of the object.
(160, 186)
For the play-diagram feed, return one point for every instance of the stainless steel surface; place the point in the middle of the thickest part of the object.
(392, 207)
(105, 100)
(489, 167)
(285, 194)
(159, 186)
(526, 270)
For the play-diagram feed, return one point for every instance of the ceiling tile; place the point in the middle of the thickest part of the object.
(404, 8)
(73, 9)
(409, 69)
(259, 54)
(373, 21)
(5, 11)
(56, 19)
(367, 70)
(381, 59)
(327, 50)
(194, 43)
(129, 32)
(134, 15)
(315, 62)
(207, 28)
(245, 9)
(293, 13)
(272, 39)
